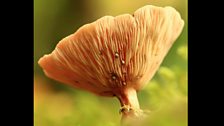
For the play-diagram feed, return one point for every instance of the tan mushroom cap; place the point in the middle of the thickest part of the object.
(113, 53)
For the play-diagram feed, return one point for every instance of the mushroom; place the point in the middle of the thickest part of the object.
(116, 56)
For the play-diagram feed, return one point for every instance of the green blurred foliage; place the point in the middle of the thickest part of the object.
(56, 104)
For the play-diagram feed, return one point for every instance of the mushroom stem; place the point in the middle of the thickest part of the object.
(128, 97)
(130, 108)
(132, 115)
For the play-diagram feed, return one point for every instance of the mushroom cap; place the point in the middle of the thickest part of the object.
(114, 53)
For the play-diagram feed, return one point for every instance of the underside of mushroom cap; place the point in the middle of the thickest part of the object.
(114, 53)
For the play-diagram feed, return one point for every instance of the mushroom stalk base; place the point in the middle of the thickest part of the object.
(130, 108)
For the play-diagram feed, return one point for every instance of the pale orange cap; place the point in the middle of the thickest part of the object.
(113, 53)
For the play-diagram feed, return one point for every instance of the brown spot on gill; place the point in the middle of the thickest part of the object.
(101, 52)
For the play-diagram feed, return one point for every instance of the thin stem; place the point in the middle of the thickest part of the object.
(129, 103)
(130, 109)
(128, 97)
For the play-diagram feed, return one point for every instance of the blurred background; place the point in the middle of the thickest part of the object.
(56, 104)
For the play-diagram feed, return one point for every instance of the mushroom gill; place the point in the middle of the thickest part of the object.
(115, 56)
